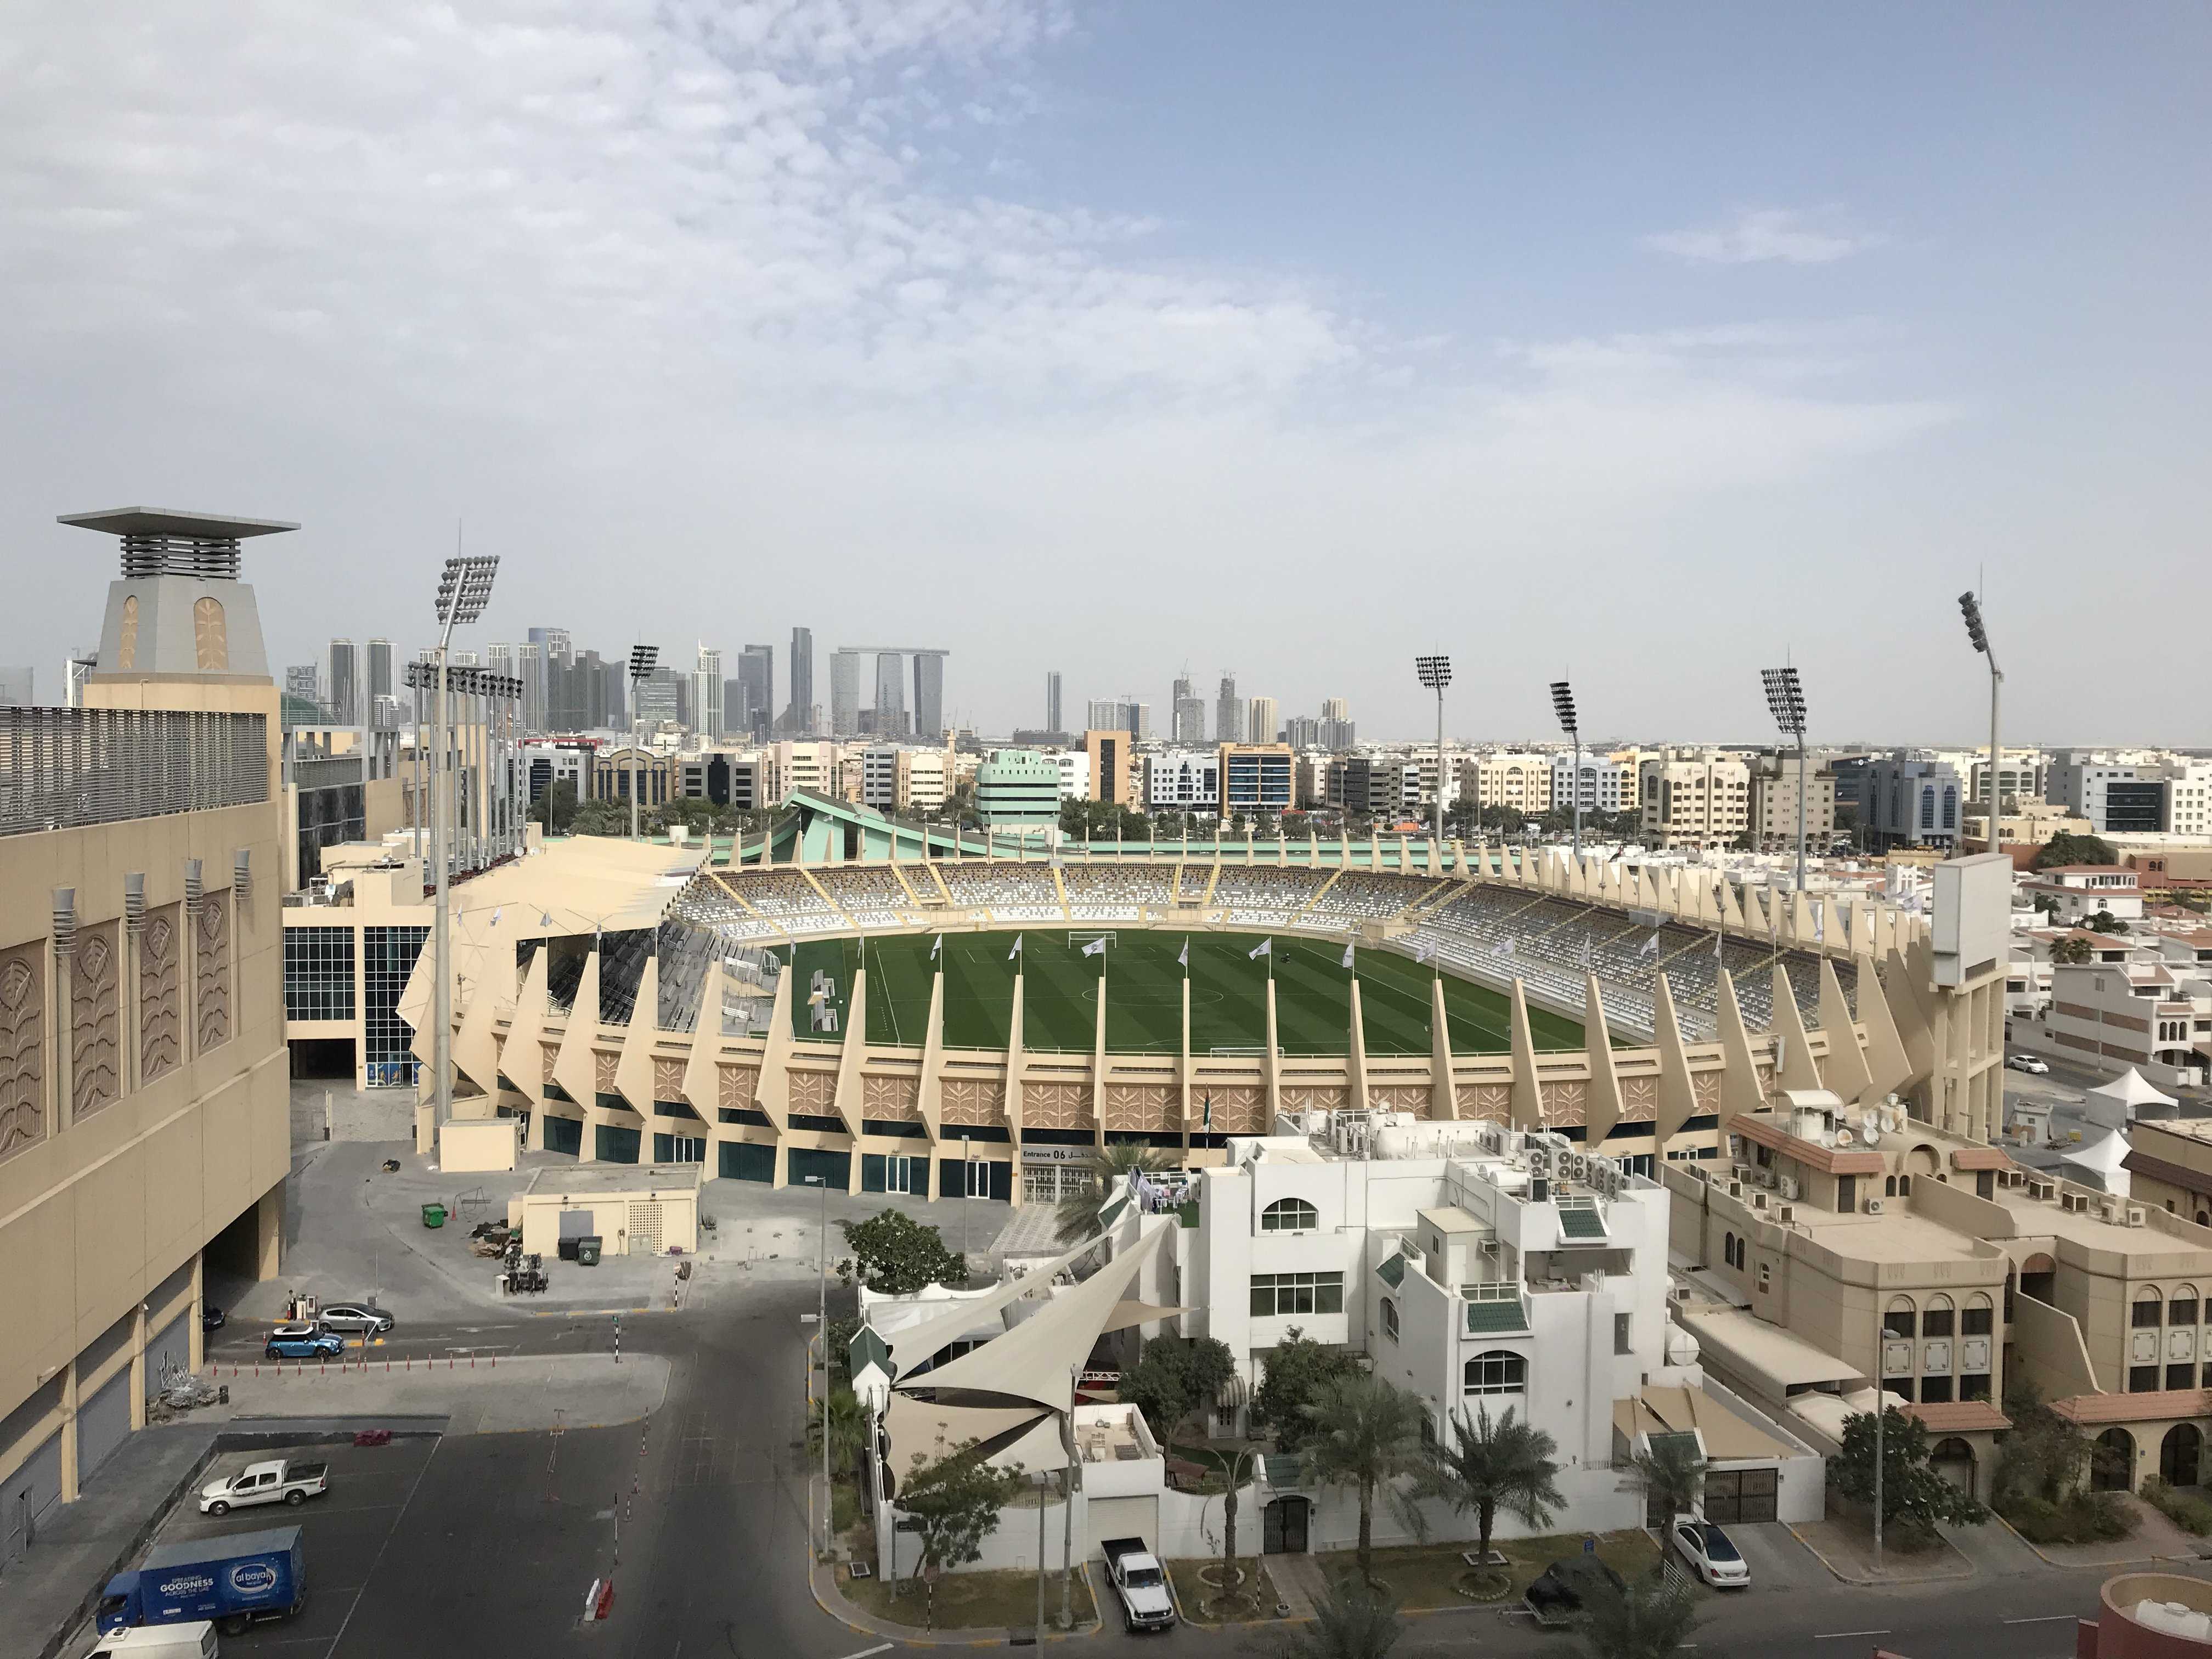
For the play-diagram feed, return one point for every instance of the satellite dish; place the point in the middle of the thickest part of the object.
(1844, 1137)
(1890, 1123)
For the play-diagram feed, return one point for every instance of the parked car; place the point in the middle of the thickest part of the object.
(2027, 1063)
(1141, 1583)
(212, 1318)
(305, 1340)
(364, 1316)
(193, 1641)
(278, 1480)
(1557, 1593)
(1712, 1554)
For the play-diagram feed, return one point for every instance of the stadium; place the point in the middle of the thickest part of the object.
(898, 1009)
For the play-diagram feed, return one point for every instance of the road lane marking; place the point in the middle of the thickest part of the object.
(1838, 1635)
(865, 1653)
(2047, 1619)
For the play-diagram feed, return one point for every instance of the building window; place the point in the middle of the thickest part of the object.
(2148, 1304)
(1495, 1372)
(1903, 1387)
(2143, 1379)
(1389, 1319)
(1974, 1386)
(1289, 1215)
(1297, 1293)
(1939, 1318)
(319, 973)
(2182, 1310)
(1976, 1320)
(1900, 1321)
(2183, 1376)
(1622, 1328)
(1765, 1278)
(388, 961)
(1934, 1391)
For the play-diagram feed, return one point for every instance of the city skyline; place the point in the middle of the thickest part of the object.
(1616, 366)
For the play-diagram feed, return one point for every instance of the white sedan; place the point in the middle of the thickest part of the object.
(2028, 1063)
(1711, 1555)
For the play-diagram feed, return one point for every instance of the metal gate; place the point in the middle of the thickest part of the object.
(27, 1495)
(1283, 1526)
(103, 1423)
(1732, 1495)
(645, 1228)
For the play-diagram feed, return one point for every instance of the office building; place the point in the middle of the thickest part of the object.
(1257, 777)
(755, 712)
(1183, 781)
(1186, 713)
(1385, 787)
(844, 693)
(342, 676)
(530, 669)
(929, 695)
(1110, 755)
(890, 712)
(660, 697)
(1774, 784)
(1908, 800)
(1260, 722)
(1607, 786)
(706, 712)
(1052, 701)
(1228, 710)
(302, 684)
(554, 641)
(1018, 785)
(1694, 797)
(1516, 782)
(380, 683)
(2121, 798)
(144, 1121)
(798, 715)
(1120, 714)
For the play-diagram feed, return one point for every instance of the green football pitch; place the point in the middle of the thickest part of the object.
(1144, 995)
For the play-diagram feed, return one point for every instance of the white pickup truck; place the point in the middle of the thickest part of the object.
(277, 1481)
(1141, 1583)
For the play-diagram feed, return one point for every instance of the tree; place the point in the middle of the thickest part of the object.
(1175, 1376)
(1299, 1369)
(1648, 1618)
(600, 818)
(1672, 1471)
(2067, 849)
(1106, 1172)
(1354, 1620)
(557, 808)
(2105, 922)
(1367, 1435)
(1911, 1489)
(2043, 1458)
(897, 1256)
(848, 1429)
(2070, 949)
(955, 1503)
(1498, 1462)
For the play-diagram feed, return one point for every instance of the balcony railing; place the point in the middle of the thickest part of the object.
(63, 769)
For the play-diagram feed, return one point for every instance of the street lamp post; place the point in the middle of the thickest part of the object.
(1785, 699)
(641, 659)
(463, 590)
(1562, 701)
(822, 1324)
(1970, 607)
(1434, 672)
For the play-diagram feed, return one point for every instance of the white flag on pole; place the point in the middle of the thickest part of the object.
(1265, 947)
(1016, 950)
(1182, 956)
(1718, 937)
(1347, 956)
(936, 945)
(1819, 925)
(1096, 948)
(1650, 946)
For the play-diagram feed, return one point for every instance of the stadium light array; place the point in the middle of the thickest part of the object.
(1970, 607)
(1785, 701)
(1563, 704)
(1434, 672)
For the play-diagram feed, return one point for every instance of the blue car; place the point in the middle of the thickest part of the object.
(303, 1342)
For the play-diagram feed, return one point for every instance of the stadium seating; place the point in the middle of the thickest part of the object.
(1359, 895)
(1256, 895)
(871, 894)
(1112, 892)
(1011, 892)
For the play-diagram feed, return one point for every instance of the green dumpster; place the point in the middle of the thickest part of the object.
(434, 1215)
(587, 1250)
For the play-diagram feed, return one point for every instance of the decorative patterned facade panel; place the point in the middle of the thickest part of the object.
(814, 1091)
(211, 980)
(1315, 1098)
(22, 1049)
(1056, 1106)
(604, 1067)
(738, 1084)
(1766, 1090)
(975, 1102)
(1239, 1111)
(1142, 1108)
(161, 996)
(95, 1022)
(1639, 1099)
(1705, 1089)
(1401, 1097)
(668, 1078)
(890, 1099)
(1485, 1100)
(1566, 1103)
(550, 1054)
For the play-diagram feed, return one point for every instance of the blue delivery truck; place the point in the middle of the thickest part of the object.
(233, 1581)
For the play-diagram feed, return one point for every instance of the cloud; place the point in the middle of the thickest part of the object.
(1766, 235)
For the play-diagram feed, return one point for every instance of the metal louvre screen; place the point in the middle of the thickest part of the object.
(63, 768)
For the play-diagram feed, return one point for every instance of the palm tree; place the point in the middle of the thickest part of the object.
(1648, 1619)
(1498, 1462)
(1106, 1173)
(848, 1429)
(1672, 1471)
(1367, 1434)
(1352, 1621)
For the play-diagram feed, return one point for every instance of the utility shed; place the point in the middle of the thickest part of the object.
(633, 1209)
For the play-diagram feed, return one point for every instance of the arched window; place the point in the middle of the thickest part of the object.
(1889, 1186)
(2149, 1304)
(1939, 1319)
(1728, 1248)
(1905, 1186)
(1979, 1315)
(2181, 1307)
(1497, 1373)
(1289, 1215)
(1900, 1319)
(1389, 1319)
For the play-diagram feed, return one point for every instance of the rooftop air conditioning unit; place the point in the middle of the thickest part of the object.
(1767, 1178)
(1789, 1190)
(2134, 1215)
(1759, 1200)
(1488, 1247)
(1789, 1214)
(1874, 1206)
(1736, 1189)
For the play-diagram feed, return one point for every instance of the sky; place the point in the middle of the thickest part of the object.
(1649, 346)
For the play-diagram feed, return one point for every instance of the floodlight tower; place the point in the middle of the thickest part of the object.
(1971, 608)
(1785, 699)
(1436, 674)
(1562, 701)
(641, 659)
(463, 590)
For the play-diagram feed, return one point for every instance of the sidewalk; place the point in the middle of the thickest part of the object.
(2155, 1538)
(1848, 1553)
(524, 1393)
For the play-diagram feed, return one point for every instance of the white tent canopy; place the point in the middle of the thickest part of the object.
(911, 1346)
(2118, 1103)
(2101, 1162)
(1036, 1360)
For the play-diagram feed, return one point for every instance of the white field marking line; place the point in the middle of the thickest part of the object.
(354, 1606)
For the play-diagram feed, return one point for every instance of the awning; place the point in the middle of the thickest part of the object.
(1657, 1410)
(1127, 1314)
(1778, 1357)
(1234, 1393)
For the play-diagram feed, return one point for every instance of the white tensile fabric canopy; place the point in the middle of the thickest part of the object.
(912, 1345)
(1036, 1360)
(2118, 1103)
